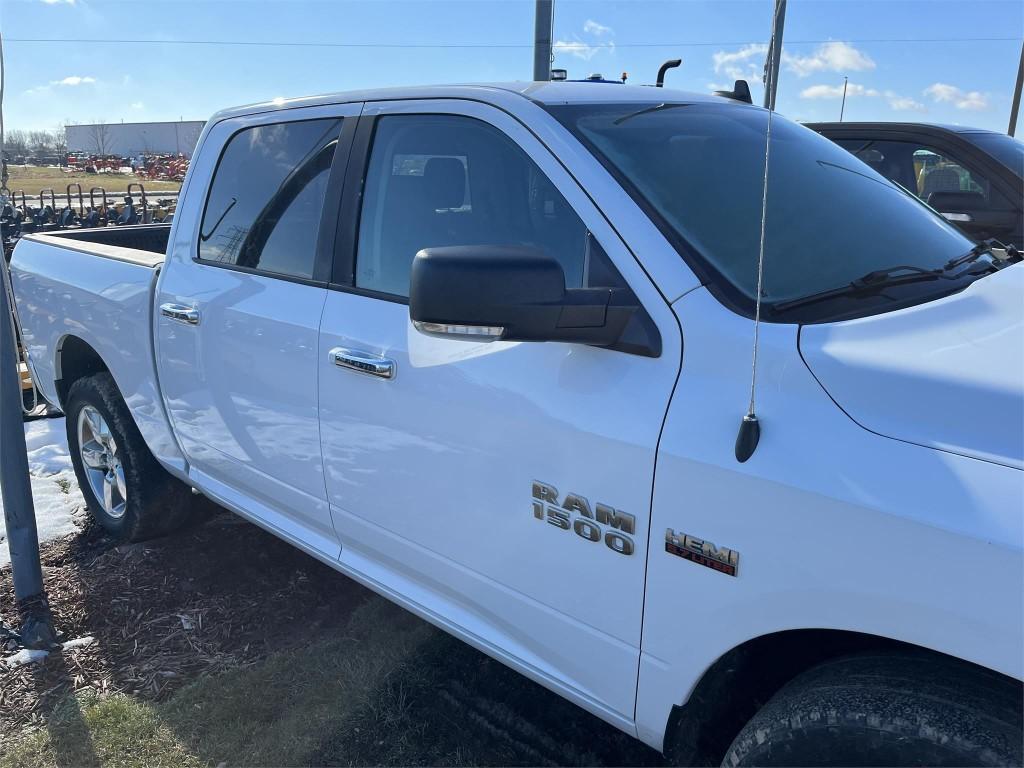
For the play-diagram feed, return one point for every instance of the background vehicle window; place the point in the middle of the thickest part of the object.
(264, 207)
(923, 170)
(936, 172)
(439, 180)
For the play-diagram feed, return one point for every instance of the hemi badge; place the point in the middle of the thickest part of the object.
(702, 552)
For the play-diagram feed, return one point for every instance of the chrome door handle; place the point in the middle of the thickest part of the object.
(362, 362)
(181, 313)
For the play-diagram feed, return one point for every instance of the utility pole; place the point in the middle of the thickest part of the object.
(1015, 107)
(771, 65)
(19, 512)
(15, 488)
(543, 31)
(842, 107)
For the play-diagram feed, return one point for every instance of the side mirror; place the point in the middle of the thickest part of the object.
(490, 292)
(957, 206)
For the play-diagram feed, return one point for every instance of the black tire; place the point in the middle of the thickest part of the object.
(886, 710)
(156, 503)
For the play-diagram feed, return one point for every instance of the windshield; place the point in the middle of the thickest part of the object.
(1006, 149)
(697, 169)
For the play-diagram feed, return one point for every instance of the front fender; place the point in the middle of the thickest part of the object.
(836, 527)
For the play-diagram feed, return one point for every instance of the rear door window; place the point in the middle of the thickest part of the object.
(264, 206)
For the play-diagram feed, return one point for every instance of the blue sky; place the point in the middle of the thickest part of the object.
(934, 60)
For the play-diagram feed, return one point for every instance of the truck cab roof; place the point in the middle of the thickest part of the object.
(556, 92)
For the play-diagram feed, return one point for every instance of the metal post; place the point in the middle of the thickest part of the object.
(1015, 107)
(19, 512)
(842, 107)
(771, 67)
(543, 31)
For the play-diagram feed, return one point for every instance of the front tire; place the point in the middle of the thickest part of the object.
(886, 710)
(125, 489)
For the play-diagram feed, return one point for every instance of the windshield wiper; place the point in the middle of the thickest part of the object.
(985, 246)
(869, 283)
(901, 274)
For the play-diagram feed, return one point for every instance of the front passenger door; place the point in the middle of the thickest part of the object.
(504, 486)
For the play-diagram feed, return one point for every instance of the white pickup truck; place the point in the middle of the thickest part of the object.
(486, 350)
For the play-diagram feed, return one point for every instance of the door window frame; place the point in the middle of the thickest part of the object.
(221, 135)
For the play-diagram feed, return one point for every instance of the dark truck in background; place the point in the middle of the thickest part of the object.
(973, 177)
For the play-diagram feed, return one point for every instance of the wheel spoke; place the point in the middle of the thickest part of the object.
(95, 423)
(108, 491)
(93, 455)
(120, 481)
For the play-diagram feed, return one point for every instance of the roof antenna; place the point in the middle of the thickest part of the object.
(750, 428)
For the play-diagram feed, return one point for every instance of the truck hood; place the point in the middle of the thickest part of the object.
(948, 374)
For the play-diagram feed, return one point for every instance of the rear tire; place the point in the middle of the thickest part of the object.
(125, 489)
(886, 710)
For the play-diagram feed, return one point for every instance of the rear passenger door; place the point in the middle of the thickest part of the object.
(239, 310)
(503, 488)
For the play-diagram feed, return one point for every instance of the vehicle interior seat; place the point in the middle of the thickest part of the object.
(424, 204)
(942, 179)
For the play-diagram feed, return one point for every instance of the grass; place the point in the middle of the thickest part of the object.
(271, 713)
(287, 662)
(94, 731)
(389, 690)
(32, 179)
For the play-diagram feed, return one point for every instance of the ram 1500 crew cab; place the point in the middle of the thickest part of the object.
(486, 350)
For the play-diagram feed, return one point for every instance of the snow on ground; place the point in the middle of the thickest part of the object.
(58, 502)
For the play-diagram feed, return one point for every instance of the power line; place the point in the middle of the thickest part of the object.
(608, 45)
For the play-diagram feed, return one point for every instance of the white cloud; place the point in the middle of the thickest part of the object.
(137, 105)
(70, 80)
(580, 49)
(829, 57)
(836, 91)
(597, 30)
(743, 64)
(950, 94)
(904, 103)
(59, 2)
(74, 80)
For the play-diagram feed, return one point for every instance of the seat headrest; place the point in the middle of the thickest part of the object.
(445, 180)
(941, 180)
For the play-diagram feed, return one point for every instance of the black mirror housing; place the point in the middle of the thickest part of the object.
(946, 202)
(517, 293)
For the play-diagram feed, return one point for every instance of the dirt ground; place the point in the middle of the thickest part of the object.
(32, 178)
(224, 645)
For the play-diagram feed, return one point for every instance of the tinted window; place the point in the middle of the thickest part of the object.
(924, 170)
(264, 207)
(699, 170)
(438, 180)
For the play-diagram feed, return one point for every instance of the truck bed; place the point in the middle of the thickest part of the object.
(95, 288)
(144, 244)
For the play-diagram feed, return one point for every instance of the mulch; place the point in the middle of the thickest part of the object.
(221, 594)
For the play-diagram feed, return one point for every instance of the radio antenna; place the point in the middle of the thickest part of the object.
(750, 428)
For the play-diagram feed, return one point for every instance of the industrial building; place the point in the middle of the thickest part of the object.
(128, 139)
